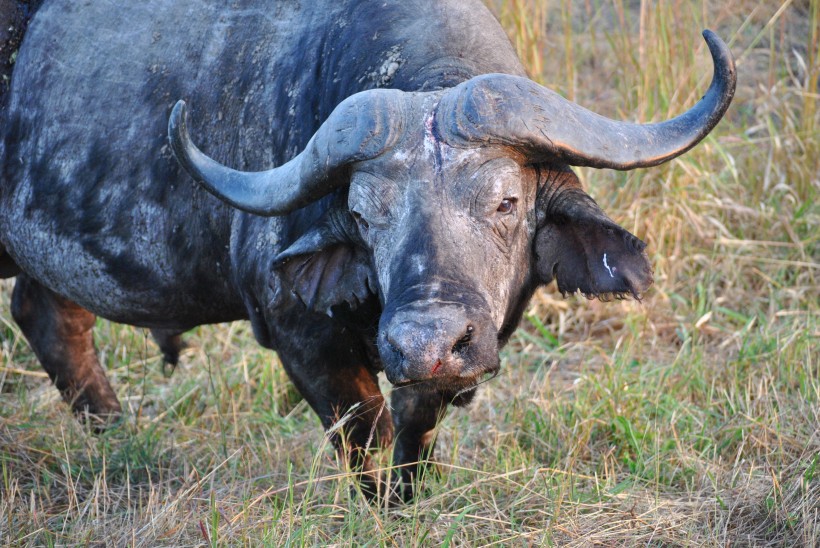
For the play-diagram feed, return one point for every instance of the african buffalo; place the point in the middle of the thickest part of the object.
(398, 189)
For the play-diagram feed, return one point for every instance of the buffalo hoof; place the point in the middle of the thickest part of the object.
(411, 481)
(98, 417)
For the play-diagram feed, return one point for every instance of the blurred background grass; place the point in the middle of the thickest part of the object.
(688, 419)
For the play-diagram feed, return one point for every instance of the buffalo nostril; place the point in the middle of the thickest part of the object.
(464, 341)
(393, 346)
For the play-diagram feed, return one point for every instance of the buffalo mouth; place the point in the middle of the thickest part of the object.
(451, 388)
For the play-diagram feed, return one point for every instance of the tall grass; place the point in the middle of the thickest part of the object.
(688, 419)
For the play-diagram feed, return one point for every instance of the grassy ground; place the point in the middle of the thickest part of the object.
(691, 418)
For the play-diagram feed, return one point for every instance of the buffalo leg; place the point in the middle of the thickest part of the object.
(59, 332)
(416, 413)
(332, 369)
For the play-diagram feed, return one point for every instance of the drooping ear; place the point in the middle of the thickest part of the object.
(577, 244)
(327, 266)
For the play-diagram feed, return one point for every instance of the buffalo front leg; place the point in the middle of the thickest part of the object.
(59, 332)
(416, 412)
(332, 370)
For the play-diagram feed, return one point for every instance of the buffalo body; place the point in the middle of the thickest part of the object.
(397, 190)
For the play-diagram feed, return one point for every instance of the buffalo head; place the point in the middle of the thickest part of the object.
(453, 206)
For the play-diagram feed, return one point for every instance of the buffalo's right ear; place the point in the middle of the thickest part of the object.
(582, 248)
(327, 266)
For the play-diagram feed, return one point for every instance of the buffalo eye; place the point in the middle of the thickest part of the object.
(506, 206)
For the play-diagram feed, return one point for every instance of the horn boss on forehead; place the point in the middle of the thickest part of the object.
(513, 111)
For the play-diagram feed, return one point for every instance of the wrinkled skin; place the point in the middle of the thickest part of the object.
(406, 228)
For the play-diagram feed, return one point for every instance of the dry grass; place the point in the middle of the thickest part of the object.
(688, 419)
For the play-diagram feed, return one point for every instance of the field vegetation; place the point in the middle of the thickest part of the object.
(691, 418)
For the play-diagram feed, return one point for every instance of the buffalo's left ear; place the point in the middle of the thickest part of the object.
(581, 247)
(327, 266)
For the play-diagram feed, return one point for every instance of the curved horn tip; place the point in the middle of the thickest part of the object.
(179, 108)
(180, 140)
(721, 54)
(176, 121)
(712, 38)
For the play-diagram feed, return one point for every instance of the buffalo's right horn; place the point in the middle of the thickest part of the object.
(360, 128)
(509, 110)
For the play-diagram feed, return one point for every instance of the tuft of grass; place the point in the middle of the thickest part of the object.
(687, 419)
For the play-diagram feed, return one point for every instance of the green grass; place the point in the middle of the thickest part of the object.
(688, 419)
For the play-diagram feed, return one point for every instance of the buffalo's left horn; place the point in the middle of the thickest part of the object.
(509, 110)
(361, 127)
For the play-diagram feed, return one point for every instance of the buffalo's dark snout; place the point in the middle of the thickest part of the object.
(443, 345)
(427, 349)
